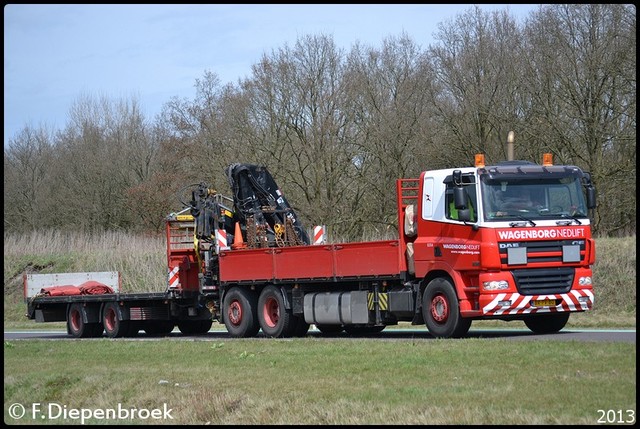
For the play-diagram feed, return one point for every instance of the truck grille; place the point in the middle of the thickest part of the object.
(542, 251)
(540, 281)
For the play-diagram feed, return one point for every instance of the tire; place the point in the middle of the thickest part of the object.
(76, 325)
(240, 313)
(195, 327)
(158, 328)
(330, 329)
(114, 327)
(273, 317)
(363, 330)
(548, 323)
(301, 327)
(441, 311)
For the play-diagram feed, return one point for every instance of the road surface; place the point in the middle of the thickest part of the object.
(597, 335)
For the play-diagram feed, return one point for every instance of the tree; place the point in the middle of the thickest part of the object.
(581, 79)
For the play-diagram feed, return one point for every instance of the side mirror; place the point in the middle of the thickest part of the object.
(591, 197)
(464, 215)
(459, 197)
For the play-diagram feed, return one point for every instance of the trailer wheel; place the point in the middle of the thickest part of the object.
(75, 322)
(113, 325)
(274, 318)
(195, 327)
(548, 323)
(240, 313)
(76, 325)
(441, 311)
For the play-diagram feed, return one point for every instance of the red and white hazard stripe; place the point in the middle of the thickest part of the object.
(174, 278)
(221, 240)
(319, 234)
(520, 304)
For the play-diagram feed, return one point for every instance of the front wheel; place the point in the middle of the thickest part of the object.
(548, 323)
(240, 313)
(441, 311)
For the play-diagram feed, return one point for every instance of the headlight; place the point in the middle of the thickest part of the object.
(584, 281)
(495, 285)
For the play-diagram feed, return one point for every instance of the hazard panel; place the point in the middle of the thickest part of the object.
(505, 304)
(349, 260)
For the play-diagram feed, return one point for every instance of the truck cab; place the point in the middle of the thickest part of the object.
(507, 241)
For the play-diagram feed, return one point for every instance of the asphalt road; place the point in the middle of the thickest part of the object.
(596, 335)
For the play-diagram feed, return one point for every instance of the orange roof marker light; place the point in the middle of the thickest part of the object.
(547, 159)
(479, 160)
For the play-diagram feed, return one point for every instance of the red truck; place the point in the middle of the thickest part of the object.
(470, 247)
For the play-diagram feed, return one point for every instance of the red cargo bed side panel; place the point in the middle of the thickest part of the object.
(374, 258)
(303, 262)
(247, 264)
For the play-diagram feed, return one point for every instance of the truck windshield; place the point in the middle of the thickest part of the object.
(508, 198)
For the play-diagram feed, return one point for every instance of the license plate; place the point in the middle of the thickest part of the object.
(544, 303)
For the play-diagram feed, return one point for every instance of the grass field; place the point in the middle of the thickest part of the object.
(320, 381)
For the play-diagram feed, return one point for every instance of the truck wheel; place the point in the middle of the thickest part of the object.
(330, 329)
(274, 318)
(158, 327)
(75, 322)
(240, 313)
(301, 327)
(195, 327)
(113, 326)
(548, 323)
(441, 311)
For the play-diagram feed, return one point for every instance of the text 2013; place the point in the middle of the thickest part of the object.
(617, 416)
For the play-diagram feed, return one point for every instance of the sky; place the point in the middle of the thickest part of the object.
(55, 54)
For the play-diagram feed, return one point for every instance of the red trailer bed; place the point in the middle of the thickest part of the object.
(374, 259)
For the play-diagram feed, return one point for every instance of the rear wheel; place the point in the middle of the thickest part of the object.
(240, 313)
(75, 322)
(114, 327)
(274, 318)
(548, 323)
(441, 311)
(77, 327)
